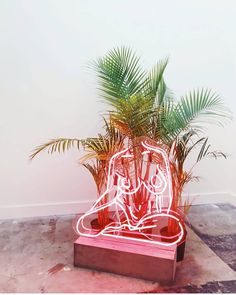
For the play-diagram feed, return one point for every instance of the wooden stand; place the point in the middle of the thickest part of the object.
(125, 257)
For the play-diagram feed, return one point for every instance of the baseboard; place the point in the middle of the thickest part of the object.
(233, 195)
(210, 198)
(44, 209)
(73, 207)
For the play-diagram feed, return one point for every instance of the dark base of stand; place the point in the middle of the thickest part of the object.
(126, 257)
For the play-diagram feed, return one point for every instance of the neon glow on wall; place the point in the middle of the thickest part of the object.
(129, 224)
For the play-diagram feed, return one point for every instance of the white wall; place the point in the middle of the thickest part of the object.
(46, 90)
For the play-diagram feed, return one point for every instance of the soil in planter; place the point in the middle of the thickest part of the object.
(95, 225)
(180, 245)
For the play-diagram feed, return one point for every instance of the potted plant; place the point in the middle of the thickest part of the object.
(141, 105)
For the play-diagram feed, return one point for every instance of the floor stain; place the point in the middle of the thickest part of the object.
(56, 268)
(210, 287)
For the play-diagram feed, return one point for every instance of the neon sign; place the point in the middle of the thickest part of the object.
(140, 201)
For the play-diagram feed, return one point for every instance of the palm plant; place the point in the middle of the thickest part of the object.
(141, 105)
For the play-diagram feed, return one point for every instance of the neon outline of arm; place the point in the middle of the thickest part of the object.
(140, 228)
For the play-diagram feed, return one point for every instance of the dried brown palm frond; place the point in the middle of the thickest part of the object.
(58, 145)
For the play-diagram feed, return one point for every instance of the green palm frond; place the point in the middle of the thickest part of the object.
(104, 146)
(200, 106)
(56, 145)
(133, 116)
(159, 119)
(156, 87)
(120, 75)
(183, 146)
(164, 94)
(205, 152)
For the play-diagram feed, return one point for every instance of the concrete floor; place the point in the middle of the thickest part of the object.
(37, 256)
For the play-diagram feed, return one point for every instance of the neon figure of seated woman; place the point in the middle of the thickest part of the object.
(141, 196)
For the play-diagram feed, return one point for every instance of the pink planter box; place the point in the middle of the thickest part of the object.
(125, 257)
